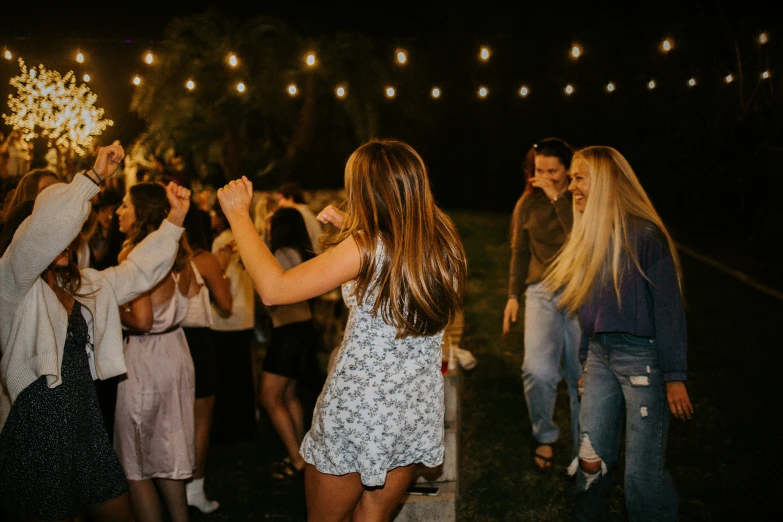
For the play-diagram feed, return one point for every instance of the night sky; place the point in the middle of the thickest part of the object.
(474, 149)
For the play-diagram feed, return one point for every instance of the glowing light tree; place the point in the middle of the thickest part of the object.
(54, 107)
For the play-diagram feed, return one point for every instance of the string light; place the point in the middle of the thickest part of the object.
(52, 104)
(292, 90)
(401, 57)
(340, 91)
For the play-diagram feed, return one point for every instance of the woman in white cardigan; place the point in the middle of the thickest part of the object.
(59, 330)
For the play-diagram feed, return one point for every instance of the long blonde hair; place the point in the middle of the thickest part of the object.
(422, 273)
(600, 236)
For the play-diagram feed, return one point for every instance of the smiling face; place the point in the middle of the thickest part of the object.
(126, 213)
(580, 184)
(550, 167)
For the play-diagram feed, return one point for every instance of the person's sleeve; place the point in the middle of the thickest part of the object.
(668, 312)
(59, 213)
(147, 263)
(565, 213)
(520, 253)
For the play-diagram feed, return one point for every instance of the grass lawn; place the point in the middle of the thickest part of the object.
(724, 461)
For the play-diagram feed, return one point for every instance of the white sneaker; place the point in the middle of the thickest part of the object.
(466, 359)
(203, 505)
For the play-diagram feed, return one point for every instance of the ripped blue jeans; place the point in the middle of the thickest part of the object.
(624, 391)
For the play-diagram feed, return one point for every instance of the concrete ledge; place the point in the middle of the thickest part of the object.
(447, 471)
(422, 508)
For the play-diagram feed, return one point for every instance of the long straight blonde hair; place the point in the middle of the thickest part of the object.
(421, 275)
(600, 235)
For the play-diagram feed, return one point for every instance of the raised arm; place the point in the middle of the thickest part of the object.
(59, 213)
(145, 265)
(274, 284)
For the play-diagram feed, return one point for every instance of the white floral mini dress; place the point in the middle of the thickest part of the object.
(382, 404)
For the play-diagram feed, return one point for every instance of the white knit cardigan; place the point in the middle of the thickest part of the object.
(33, 323)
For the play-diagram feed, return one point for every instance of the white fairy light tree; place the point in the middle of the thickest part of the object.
(54, 107)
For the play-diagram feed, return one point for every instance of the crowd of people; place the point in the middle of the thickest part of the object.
(129, 315)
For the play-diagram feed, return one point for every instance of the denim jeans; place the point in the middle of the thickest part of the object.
(623, 385)
(551, 354)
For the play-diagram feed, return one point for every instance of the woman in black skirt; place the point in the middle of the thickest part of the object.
(291, 356)
(60, 330)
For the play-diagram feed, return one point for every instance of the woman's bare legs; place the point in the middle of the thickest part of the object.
(331, 498)
(205, 407)
(146, 501)
(379, 504)
(294, 406)
(203, 414)
(173, 493)
(343, 498)
(281, 402)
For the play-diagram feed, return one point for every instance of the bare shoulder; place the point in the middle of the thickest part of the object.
(124, 253)
(205, 260)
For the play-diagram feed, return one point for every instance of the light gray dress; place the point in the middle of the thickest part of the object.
(382, 404)
(154, 427)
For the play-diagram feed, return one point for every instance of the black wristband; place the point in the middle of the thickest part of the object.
(98, 183)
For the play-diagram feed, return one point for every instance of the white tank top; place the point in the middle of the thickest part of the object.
(199, 312)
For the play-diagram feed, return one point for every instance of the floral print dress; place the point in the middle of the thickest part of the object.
(382, 404)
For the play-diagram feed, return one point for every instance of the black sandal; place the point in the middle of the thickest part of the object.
(548, 463)
(285, 470)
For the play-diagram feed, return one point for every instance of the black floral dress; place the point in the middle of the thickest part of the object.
(55, 453)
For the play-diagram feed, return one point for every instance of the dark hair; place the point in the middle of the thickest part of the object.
(217, 210)
(291, 189)
(287, 229)
(555, 148)
(67, 277)
(196, 225)
(13, 218)
(151, 207)
(27, 187)
(108, 198)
